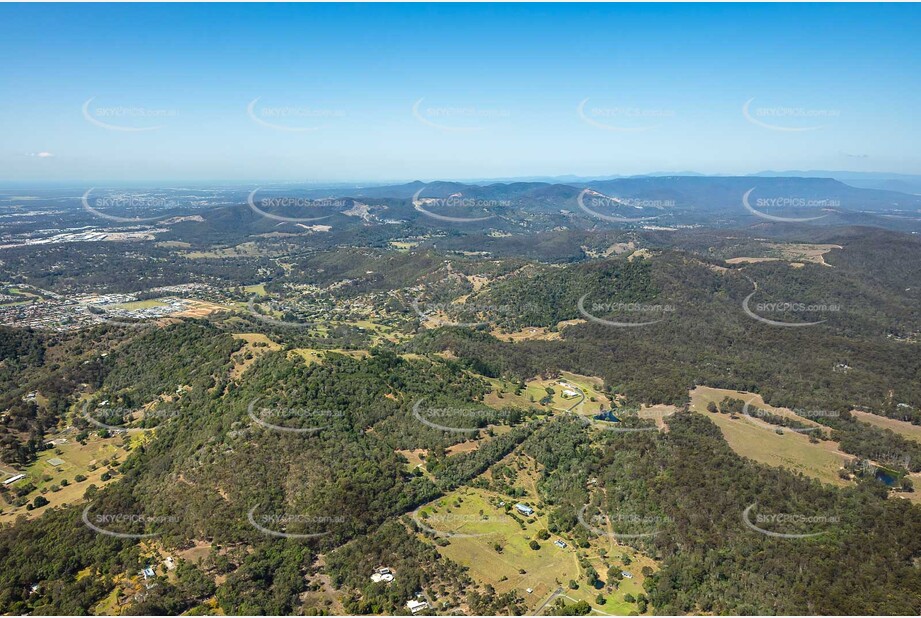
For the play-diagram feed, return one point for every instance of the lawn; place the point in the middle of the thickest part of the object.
(26, 297)
(255, 289)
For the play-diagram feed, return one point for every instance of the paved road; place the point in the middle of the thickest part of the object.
(555, 594)
(582, 398)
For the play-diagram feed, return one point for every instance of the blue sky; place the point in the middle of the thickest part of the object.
(394, 92)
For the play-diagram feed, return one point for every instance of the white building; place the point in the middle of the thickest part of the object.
(524, 509)
(416, 606)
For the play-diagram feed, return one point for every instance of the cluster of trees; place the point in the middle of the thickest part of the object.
(416, 566)
(210, 463)
(883, 446)
(692, 490)
(545, 296)
(139, 372)
(49, 552)
(736, 407)
(707, 339)
(38, 379)
(458, 469)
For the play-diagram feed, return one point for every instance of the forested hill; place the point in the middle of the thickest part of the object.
(392, 407)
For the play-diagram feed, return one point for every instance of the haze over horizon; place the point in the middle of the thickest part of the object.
(349, 93)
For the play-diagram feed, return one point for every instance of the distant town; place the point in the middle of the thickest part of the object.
(26, 306)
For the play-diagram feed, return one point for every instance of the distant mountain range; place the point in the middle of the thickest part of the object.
(666, 202)
(700, 193)
(906, 183)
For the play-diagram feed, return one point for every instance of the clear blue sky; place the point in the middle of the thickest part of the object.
(501, 87)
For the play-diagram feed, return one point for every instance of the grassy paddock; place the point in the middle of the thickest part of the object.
(758, 441)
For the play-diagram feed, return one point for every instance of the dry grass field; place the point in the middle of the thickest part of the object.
(758, 441)
(473, 523)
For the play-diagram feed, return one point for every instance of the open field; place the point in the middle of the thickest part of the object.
(75, 459)
(414, 458)
(257, 338)
(404, 245)
(503, 394)
(472, 522)
(464, 447)
(657, 413)
(246, 249)
(535, 333)
(378, 332)
(20, 297)
(903, 428)
(141, 304)
(256, 345)
(615, 249)
(797, 254)
(255, 289)
(311, 355)
(751, 260)
(200, 309)
(913, 496)
(757, 440)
